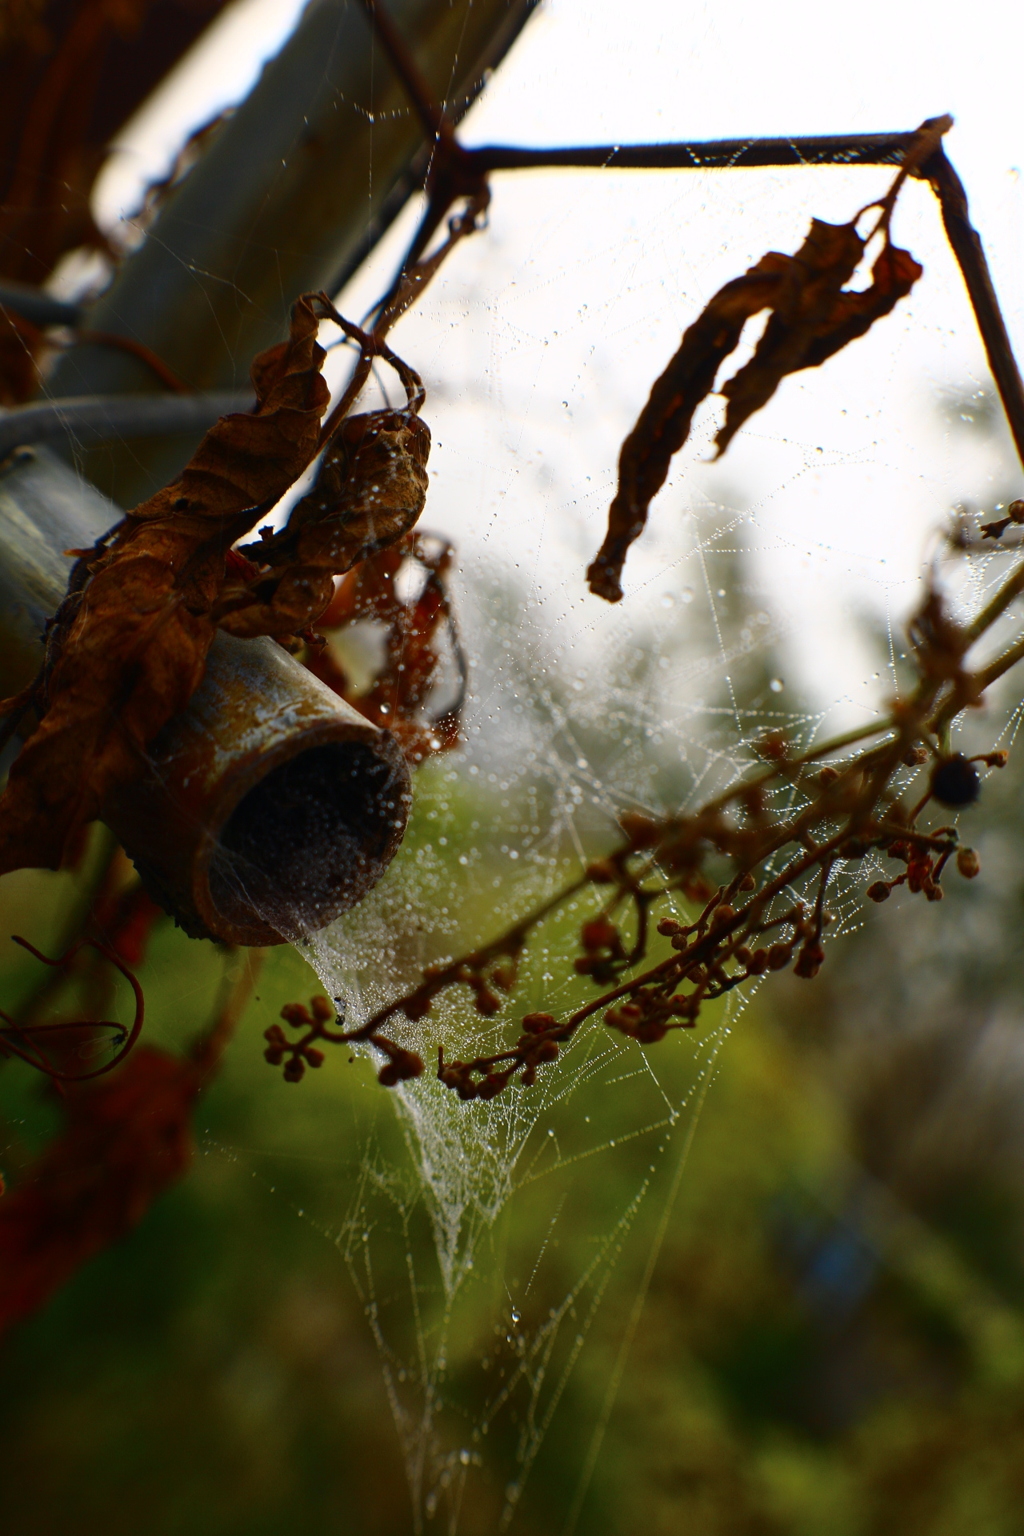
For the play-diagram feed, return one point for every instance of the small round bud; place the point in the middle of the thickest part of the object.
(809, 960)
(601, 872)
(642, 831)
(955, 781)
(772, 746)
(968, 863)
(779, 956)
(879, 891)
(296, 1015)
(599, 933)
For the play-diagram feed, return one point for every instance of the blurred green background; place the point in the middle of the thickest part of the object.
(769, 1280)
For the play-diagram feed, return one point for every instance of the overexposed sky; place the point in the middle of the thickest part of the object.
(540, 341)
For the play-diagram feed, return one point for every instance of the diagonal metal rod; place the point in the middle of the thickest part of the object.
(37, 306)
(711, 154)
(970, 254)
(87, 419)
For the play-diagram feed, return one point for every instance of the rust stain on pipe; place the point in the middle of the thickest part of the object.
(269, 805)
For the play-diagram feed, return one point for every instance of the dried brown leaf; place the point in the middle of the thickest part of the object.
(813, 317)
(130, 644)
(400, 692)
(664, 423)
(369, 493)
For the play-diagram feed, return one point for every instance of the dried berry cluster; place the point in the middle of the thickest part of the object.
(756, 876)
(299, 1054)
(416, 627)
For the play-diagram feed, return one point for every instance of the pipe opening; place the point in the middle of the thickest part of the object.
(310, 839)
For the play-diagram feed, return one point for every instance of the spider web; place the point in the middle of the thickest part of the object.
(751, 602)
(770, 590)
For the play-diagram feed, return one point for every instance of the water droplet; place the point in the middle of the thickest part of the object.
(776, 685)
(686, 595)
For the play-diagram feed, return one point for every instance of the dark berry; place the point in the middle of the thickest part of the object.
(955, 781)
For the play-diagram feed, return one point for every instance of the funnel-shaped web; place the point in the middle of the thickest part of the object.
(768, 591)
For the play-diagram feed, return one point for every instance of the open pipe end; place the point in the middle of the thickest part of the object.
(310, 839)
(270, 806)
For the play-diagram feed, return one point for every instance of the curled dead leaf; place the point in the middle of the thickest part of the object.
(813, 317)
(128, 646)
(370, 491)
(399, 694)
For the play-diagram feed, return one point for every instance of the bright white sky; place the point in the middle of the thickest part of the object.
(540, 343)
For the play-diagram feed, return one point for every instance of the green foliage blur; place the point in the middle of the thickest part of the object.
(807, 1316)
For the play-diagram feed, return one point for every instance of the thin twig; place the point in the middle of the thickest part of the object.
(1008, 592)
(208, 1049)
(970, 254)
(403, 62)
(445, 975)
(1003, 663)
(700, 154)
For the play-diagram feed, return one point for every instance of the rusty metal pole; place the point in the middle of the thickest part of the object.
(269, 806)
(290, 196)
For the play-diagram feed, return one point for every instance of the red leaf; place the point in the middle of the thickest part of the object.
(126, 1139)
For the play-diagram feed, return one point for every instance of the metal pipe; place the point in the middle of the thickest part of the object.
(37, 306)
(292, 192)
(269, 805)
(84, 420)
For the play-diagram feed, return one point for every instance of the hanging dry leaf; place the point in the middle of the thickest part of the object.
(400, 693)
(664, 423)
(129, 644)
(370, 491)
(813, 318)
